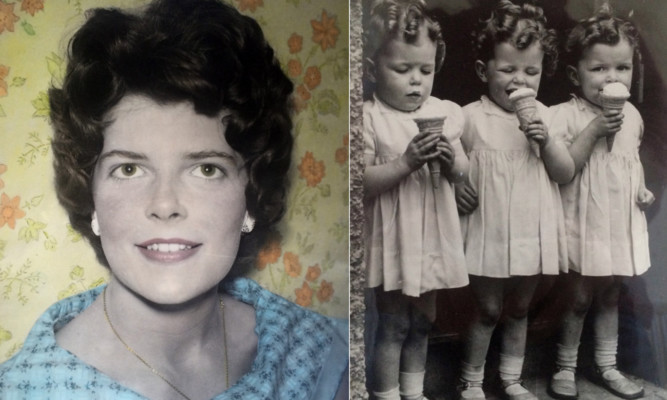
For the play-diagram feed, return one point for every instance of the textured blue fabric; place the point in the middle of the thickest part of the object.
(298, 355)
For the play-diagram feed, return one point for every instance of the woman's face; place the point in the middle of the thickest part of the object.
(169, 195)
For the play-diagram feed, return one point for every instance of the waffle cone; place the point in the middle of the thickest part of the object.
(612, 103)
(432, 125)
(526, 108)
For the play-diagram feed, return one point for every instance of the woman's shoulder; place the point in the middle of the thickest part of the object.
(269, 305)
(303, 342)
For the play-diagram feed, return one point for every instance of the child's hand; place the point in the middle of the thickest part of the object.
(537, 132)
(422, 148)
(446, 155)
(607, 123)
(466, 198)
(644, 198)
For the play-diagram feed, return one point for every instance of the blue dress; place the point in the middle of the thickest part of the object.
(300, 355)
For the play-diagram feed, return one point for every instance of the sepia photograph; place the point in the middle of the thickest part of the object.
(507, 199)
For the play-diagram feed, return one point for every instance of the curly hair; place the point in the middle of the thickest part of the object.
(400, 19)
(519, 25)
(601, 28)
(199, 51)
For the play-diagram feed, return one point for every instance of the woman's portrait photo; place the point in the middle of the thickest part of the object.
(174, 188)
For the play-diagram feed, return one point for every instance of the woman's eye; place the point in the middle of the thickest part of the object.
(126, 171)
(208, 171)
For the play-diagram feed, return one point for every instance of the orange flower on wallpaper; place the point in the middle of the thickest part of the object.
(311, 170)
(4, 71)
(313, 77)
(250, 4)
(292, 264)
(3, 169)
(295, 42)
(301, 98)
(325, 292)
(10, 211)
(294, 68)
(32, 6)
(270, 252)
(303, 93)
(341, 155)
(325, 32)
(304, 296)
(342, 152)
(7, 17)
(313, 272)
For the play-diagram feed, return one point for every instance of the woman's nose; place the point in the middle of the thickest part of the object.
(164, 203)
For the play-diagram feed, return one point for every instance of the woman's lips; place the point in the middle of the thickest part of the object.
(168, 250)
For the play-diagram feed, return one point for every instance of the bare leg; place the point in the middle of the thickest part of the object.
(580, 291)
(393, 327)
(606, 341)
(488, 293)
(515, 331)
(422, 315)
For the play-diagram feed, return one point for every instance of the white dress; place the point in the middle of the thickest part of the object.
(518, 227)
(413, 238)
(606, 230)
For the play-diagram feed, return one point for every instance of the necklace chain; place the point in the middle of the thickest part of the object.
(149, 366)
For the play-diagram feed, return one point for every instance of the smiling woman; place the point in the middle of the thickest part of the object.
(171, 149)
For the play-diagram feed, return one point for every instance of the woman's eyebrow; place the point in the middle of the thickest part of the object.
(200, 155)
(124, 154)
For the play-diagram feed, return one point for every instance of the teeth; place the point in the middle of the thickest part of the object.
(167, 247)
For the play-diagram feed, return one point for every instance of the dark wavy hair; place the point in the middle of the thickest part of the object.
(199, 51)
(601, 28)
(400, 19)
(504, 26)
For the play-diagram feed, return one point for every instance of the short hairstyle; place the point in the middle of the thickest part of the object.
(504, 26)
(199, 51)
(601, 28)
(400, 20)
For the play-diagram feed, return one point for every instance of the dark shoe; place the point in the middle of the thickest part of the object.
(470, 391)
(616, 383)
(516, 391)
(562, 387)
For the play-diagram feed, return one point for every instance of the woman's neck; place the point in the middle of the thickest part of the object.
(170, 331)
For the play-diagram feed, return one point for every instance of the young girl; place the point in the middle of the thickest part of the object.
(414, 244)
(606, 228)
(514, 231)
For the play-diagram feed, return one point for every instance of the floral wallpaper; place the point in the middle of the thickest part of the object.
(42, 259)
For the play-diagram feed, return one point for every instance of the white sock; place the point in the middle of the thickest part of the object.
(605, 352)
(510, 368)
(472, 373)
(391, 394)
(411, 385)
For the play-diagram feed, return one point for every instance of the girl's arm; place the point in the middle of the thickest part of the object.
(555, 155)
(607, 123)
(458, 166)
(381, 177)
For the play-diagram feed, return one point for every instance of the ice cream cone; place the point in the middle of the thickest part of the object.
(525, 107)
(613, 97)
(432, 125)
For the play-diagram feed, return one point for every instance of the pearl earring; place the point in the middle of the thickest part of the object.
(95, 225)
(248, 223)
